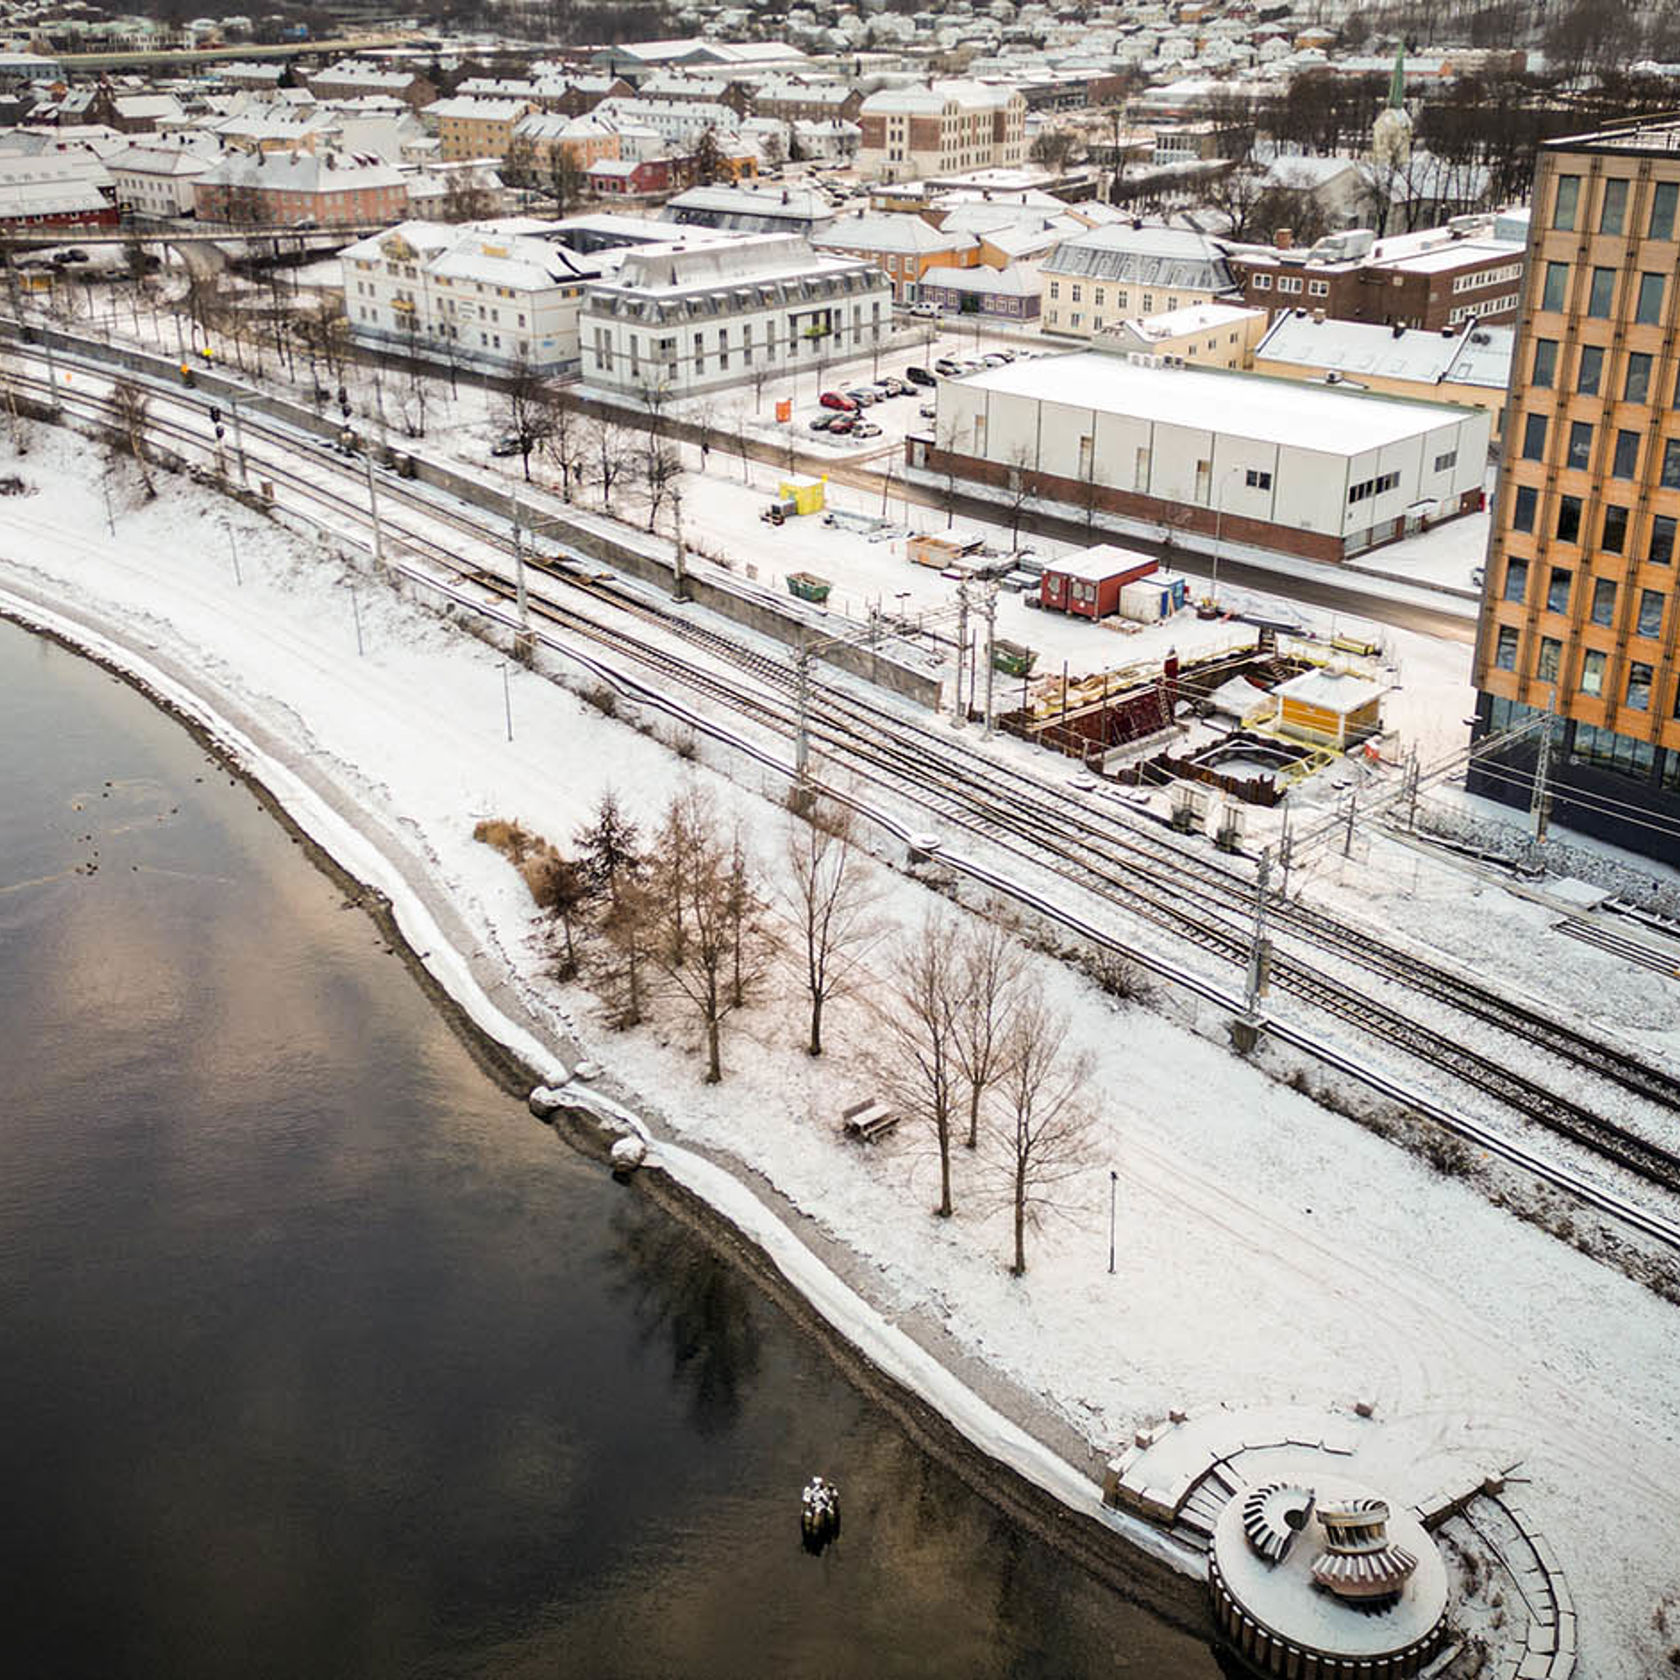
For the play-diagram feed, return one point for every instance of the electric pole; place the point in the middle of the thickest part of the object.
(989, 608)
(962, 651)
(802, 736)
(1540, 806)
(679, 575)
(1259, 947)
(373, 509)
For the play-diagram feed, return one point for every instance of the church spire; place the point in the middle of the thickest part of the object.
(1397, 81)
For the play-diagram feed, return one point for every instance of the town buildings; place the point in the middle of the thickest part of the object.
(1220, 335)
(1577, 641)
(285, 189)
(1127, 269)
(684, 318)
(941, 128)
(1297, 469)
(476, 128)
(470, 296)
(1437, 278)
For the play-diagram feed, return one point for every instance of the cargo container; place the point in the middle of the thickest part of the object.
(808, 586)
(1089, 584)
(1152, 599)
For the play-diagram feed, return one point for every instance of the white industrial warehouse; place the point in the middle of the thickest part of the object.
(1238, 457)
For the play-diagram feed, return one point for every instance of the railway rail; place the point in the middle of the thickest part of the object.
(1123, 864)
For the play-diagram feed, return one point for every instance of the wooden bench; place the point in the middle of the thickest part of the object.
(867, 1120)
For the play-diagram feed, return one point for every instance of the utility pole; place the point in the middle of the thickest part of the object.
(962, 651)
(373, 509)
(679, 574)
(1540, 806)
(233, 549)
(1352, 807)
(238, 439)
(1113, 1190)
(356, 614)
(1259, 946)
(519, 566)
(989, 608)
(1414, 777)
(802, 737)
(1286, 848)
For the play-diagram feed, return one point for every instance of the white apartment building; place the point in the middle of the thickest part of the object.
(157, 180)
(679, 319)
(941, 128)
(471, 295)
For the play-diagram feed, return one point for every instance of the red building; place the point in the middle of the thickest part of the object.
(649, 178)
(1089, 584)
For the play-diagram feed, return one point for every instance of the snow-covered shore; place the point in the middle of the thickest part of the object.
(1271, 1254)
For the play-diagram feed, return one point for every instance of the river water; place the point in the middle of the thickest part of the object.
(319, 1356)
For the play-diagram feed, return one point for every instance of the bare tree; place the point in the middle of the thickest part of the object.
(563, 439)
(993, 973)
(1020, 489)
(525, 406)
(706, 938)
(659, 467)
(1043, 1132)
(833, 905)
(920, 1022)
(609, 454)
(130, 409)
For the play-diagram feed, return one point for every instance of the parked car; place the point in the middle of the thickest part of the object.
(507, 444)
(892, 387)
(823, 422)
(919, 376)
(866, 429)
(839, 400)
(929, 411)
(70, 254)
(841, 424)
(927, 311)
(863, 395)
(995, 360)
(948, 368)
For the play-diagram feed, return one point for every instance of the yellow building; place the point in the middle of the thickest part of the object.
(476, 128)
(1219, 335)
(1329, 708)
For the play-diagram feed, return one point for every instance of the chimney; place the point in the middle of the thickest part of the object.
(1318, 317)
(1284, 239)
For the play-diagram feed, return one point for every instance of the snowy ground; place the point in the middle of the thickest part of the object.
(1270, 1252)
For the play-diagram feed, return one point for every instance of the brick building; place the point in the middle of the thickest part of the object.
(281, 189)
(1433, 279)
(941, 128)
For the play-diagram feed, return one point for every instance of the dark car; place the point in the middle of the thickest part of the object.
(507, 444)
(70, 254)
(823, 422)
(835, 399)
(920, 376)
(841, 424)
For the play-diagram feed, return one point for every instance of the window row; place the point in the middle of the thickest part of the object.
(1369, 487)
(1560, 581)
(1601, 293)
(1548, 663)
(1612, 207)
(1613, 534)
(1589, 371)
(1577, 450)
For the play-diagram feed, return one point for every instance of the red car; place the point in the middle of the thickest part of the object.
(840, 425)
(839, 400)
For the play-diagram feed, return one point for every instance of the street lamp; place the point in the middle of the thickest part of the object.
(1219, 526)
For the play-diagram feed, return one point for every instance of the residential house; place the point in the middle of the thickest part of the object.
(941, 128)
(476, 128)
(904, 248)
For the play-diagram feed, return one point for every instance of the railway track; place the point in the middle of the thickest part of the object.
(1140, 873)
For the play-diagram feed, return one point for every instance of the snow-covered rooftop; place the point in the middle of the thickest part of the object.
(1235, 404)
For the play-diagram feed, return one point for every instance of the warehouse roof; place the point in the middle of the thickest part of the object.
(1213, 400)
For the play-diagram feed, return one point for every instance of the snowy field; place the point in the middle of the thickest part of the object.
(1270, 1253)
